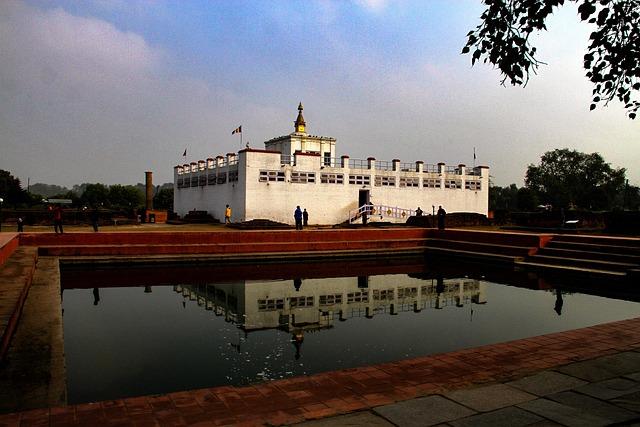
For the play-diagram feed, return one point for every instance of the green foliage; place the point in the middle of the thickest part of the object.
(164, 199)
(47, 190)
(125, 197)
(503, 198)
(612, 61)
(93, 195)
(10, 189)
(568, 178)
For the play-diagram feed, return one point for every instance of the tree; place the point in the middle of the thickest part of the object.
(164, 199)
(47, 190)
(93, 194)
(566, 178)
(503, 198)
(612, 62)
(11, 190)
(125, 196)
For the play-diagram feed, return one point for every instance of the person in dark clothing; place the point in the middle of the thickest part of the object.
(418, 211)
(305, 217)
(297, 215)
(20, 223)
(441, 217)
(94, 219)
(57, 219)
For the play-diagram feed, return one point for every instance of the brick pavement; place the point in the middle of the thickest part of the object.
(329, 394)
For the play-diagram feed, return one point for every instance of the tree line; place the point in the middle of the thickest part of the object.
(90, 195)
(568, 179)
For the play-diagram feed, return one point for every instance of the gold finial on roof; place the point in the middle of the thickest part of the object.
(300, 123)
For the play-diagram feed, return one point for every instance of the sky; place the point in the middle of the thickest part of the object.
(104, 90)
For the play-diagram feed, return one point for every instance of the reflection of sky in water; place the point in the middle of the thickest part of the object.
(135, 343)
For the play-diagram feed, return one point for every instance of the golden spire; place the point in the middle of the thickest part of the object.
(300, 123)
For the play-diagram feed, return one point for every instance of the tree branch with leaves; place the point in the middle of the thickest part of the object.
(612, 62)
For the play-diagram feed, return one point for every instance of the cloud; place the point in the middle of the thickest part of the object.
(84, 101)
(375, 6)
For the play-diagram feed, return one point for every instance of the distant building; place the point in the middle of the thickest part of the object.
(302, 170)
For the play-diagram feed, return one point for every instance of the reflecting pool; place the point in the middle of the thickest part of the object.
(184, 328)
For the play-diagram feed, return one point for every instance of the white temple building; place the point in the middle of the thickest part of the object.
(303, 170)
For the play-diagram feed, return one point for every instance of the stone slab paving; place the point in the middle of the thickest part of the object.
(563, 414)
(594, 406)
(547, 382)
(505, 417)
(489, 398)
(425, 411)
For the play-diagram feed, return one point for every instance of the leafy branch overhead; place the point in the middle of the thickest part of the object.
(612, 62)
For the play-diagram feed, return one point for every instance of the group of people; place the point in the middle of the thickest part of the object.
(440, 215)
(301, 217)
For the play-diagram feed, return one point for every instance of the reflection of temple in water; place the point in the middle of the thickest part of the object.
(310, 304)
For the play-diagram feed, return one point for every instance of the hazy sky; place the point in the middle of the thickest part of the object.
(101, 91)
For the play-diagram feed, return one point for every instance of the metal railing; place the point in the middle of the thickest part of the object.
(358, 164)
(381, 211)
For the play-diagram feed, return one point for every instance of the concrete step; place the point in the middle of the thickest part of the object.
(594, 247)
(448, 254)
(231, 248)
(599, 240)
(579, 254)
(591, 273)
(490, 248)
(582, 263)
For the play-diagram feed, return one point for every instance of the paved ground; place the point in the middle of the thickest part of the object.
(599, 392)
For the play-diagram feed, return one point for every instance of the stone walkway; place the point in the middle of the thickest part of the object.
(599, 392)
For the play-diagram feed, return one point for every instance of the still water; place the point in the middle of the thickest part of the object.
(159, 337)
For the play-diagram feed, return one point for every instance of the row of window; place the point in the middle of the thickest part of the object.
(327, 178)
(210, 179)
(380, 180)
(361, 296)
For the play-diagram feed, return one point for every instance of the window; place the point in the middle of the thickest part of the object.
(407, 292)
(270, 304)
(472, 185)
(300, 302)
(331, 178)
(453, 183)
(203, 180)
(194, 181)
(382, 294)
(303, 177)
(327, 159)
(271, 176)
(357, 297)
(233, 176)
(408, 181)
(431, 182)
(330, 299)
(360, 179)
(212, 179)
(222, 178)
(179, 182)
(385, 181)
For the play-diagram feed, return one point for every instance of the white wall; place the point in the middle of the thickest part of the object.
(326, 203)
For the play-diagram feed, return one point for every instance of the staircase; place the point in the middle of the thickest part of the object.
(609, 257)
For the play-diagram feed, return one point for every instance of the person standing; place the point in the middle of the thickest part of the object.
(419, 211)
(305, 217)
(227, 215)
(20, 223)
(297, 215)
(57, 219)
(95, 216)
(441, 217)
